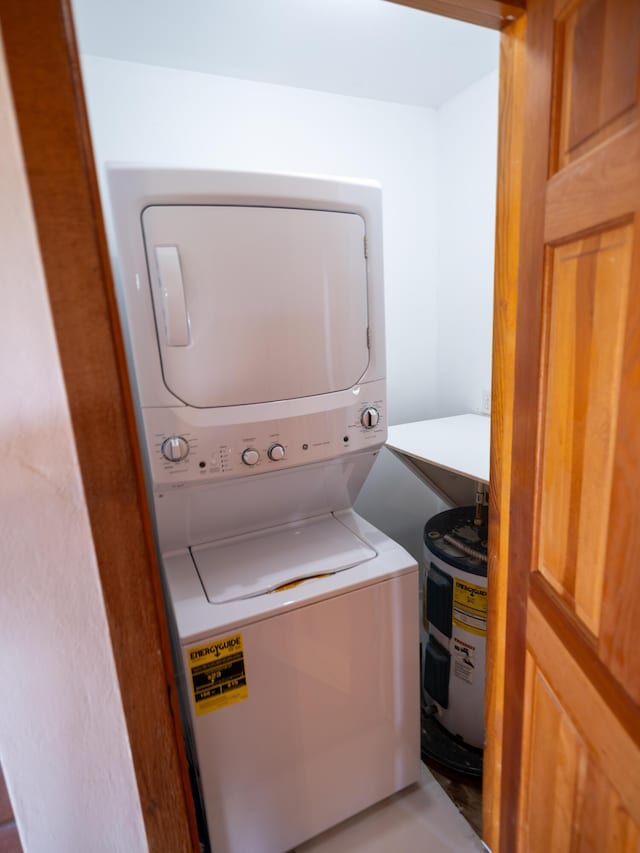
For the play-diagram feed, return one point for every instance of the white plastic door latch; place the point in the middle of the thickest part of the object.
(174, 309)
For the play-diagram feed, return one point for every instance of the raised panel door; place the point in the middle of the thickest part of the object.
(574, 527)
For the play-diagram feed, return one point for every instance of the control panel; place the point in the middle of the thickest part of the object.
(182, 451)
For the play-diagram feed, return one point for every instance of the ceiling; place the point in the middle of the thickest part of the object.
(364, 48)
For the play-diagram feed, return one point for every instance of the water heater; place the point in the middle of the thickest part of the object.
(455, 622)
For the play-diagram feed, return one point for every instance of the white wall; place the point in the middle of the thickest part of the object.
(63, 742)
(467, 158)
(149, 114)
(465, 166)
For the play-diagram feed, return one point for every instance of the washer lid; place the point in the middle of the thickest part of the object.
(256, 304)
(259, 563)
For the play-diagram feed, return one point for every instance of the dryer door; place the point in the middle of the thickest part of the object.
(256, 304)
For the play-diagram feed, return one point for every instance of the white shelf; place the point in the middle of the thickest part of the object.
(458, 446)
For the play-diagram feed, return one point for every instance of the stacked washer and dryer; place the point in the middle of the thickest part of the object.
(253, 311)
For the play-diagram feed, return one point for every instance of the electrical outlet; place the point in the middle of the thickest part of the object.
(486, 401)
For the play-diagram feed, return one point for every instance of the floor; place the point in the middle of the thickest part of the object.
(465, 793)
(421, 818)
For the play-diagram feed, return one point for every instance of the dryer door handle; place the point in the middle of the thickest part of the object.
(174, 308)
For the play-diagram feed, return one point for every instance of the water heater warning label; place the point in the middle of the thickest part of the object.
(470, 607)
(217, 674)
(464, 660)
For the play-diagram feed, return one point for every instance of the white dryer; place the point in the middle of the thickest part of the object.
(253, 309)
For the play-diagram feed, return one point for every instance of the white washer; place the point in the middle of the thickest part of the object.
(253, 309)
(329, 724)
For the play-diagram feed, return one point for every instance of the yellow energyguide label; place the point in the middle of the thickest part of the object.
(218, 676)
(470, 607)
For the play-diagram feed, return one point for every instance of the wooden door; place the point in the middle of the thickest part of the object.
(571, 775)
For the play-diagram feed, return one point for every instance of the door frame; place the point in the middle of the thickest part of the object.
(505, 660)
(44, 72)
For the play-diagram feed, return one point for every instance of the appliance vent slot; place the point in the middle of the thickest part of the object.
(439, 600)
(437, 667)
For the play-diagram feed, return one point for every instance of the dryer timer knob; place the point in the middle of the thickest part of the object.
(370, 417)
(175, 448)
(250, 456)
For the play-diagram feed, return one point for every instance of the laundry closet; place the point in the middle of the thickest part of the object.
(361, 91)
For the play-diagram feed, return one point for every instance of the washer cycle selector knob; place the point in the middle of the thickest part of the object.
(370, 417)
(250, 456)
(276, 452)
(175, 448)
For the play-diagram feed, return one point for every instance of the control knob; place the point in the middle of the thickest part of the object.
(175, 448)
(370, 417)
(250, 456)
(276, 452)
